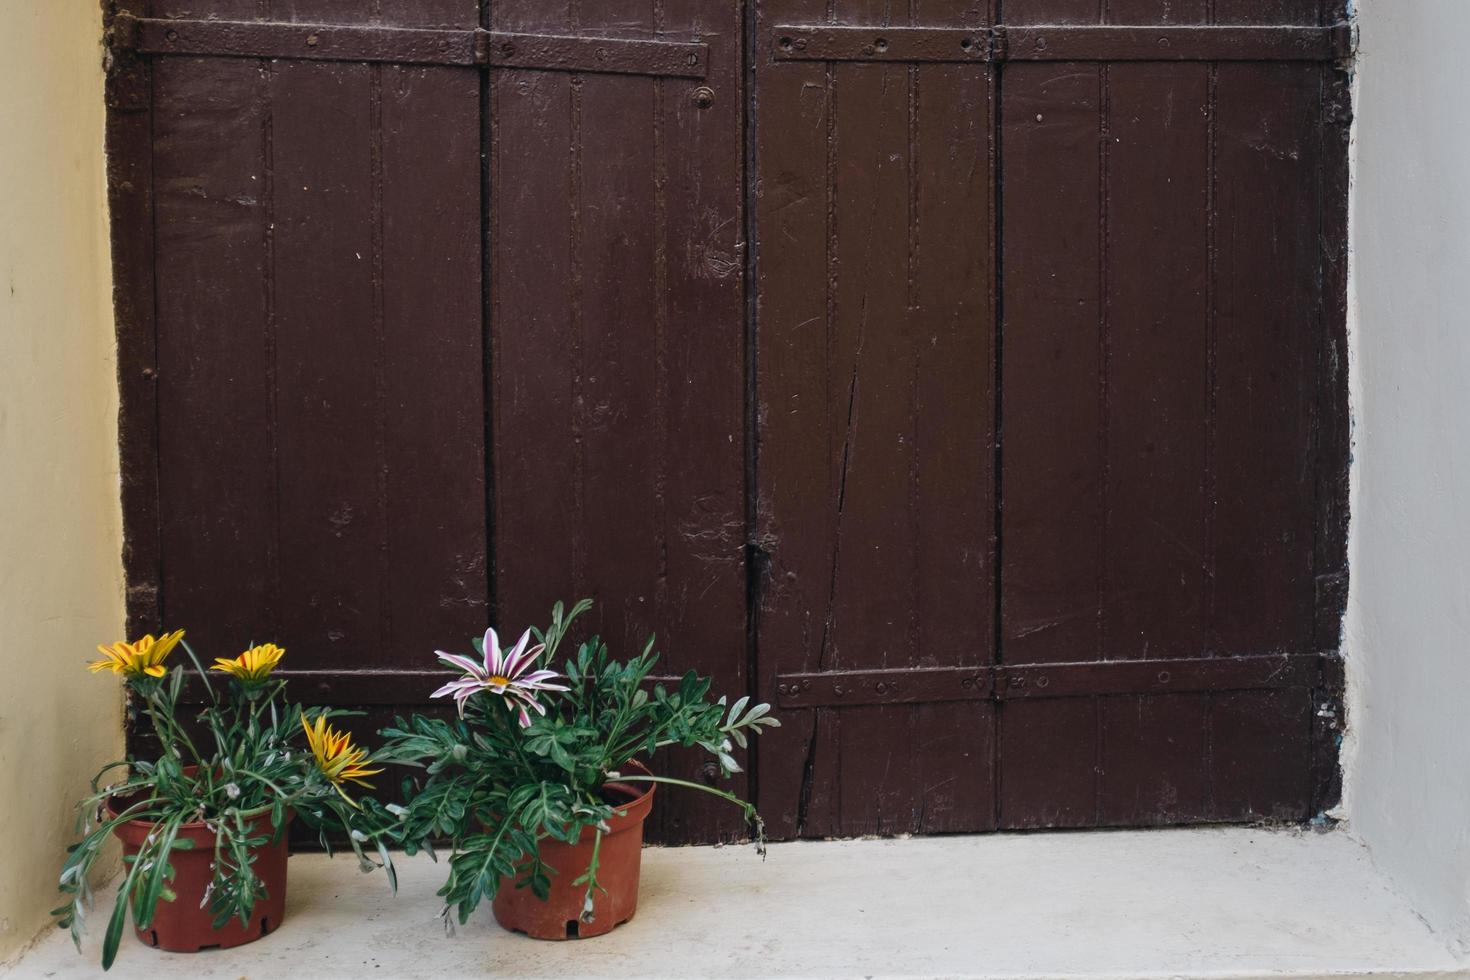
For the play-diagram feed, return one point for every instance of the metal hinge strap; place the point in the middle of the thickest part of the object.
(1057, 42)
(468, 47)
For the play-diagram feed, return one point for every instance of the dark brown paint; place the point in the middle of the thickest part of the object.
(1002, 441)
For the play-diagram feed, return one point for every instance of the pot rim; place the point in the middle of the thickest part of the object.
(636, 809)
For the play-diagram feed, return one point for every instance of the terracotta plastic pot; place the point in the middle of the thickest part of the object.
(182, 926)
(619, 860)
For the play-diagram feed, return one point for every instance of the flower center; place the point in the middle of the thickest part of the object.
(499, 681)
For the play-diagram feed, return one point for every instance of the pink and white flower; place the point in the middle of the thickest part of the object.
(503, 673)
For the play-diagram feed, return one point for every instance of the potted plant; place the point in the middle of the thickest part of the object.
(542, 783)
(203, 825)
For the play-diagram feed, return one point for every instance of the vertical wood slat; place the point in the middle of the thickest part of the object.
(1052, 471)
(878, 429)
(701, 604)
(129, 140)
(1243, 585)
(619, 398)
(216, 425)
(792, 205)
(953, 271)
(329, 359)
(265, 317)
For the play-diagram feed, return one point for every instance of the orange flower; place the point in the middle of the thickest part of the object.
(252, 666)
(144, 657)
(336, 756)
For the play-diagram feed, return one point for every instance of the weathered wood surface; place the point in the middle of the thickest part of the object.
(1039, 376)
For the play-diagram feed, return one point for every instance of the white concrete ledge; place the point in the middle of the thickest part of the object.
(1215, 903)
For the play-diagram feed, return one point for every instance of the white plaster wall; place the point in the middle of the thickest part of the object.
(1408, 626)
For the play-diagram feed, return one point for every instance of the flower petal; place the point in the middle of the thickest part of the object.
(492, 652)
(523, 656)
(463, 663)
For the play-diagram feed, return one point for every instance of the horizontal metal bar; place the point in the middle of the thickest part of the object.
(898, 44)
(921, 685)
(280, 39)
(1173, 43)
(409, 46)
(1056, 42)
(1007, 682)
(548, 52)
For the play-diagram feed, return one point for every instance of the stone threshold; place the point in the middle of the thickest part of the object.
(1217, 903)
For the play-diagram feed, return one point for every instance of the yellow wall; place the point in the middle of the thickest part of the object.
(60, 538)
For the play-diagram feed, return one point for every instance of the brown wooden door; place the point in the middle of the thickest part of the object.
(1014, 474)
(1051, 456)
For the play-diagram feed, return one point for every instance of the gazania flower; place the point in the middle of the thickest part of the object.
(252, 666)
(503, 674)
(141, 658)
(336, 756)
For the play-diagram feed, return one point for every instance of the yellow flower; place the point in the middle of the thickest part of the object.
(254, 665)
(143, 657)
(336, 756)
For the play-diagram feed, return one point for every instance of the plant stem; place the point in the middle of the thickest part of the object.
(748, 808)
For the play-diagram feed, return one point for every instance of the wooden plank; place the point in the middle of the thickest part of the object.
(330, 361)
(794, 478)
(1052, 474)
(620, 404)
(1332, 413)
(216, 360)
(129, 137)
(700, 396)
(1153, 760)
(1267, 255)
(1261, 755)
(433, 416)
(1154, 360)
(873, 368)
(535, 216)
(1280, 11)
(1051, 11)
(1048, 772)
(953, 288)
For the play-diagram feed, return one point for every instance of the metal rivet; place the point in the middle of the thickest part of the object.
(881, 687)
(704, 97)
(1164, 677)
(149, 374)
(806, 685)
(171, 35)
(785, 43)
(967, 682)
(838, 690)
(508, 49)
(966, 43)
(1041, 44)
(801, 44)
(1042, 681)
(693, 60)
(312, 40)
(881, 44)
(601, 54)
